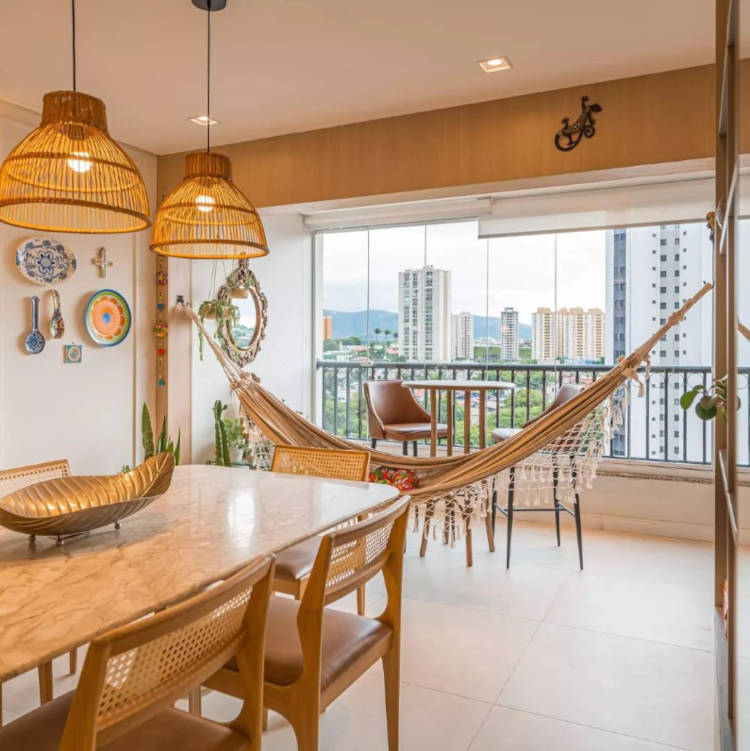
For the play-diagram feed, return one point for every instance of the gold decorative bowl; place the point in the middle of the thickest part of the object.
(73, 505)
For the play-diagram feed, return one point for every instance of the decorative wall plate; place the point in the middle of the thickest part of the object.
(45, 261)
(107, 317)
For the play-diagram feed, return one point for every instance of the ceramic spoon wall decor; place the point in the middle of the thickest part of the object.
(34, 342)
(56, 323)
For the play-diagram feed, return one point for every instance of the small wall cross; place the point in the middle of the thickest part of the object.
(102, 262)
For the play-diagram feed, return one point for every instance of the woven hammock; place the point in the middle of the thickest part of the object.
(576, 428)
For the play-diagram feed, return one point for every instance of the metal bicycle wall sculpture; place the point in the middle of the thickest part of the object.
(569, 136)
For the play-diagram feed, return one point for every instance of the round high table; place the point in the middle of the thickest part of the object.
(468, 387)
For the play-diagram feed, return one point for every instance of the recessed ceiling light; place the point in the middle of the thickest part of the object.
(204, 120)
(494, 64)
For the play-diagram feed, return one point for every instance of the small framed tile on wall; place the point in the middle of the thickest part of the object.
(73, 353)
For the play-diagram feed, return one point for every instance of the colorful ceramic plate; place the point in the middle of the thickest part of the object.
(45, 261)
(107, 317)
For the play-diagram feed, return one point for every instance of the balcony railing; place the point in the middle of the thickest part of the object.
(655, 427)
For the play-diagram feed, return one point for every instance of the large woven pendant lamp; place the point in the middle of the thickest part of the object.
(207, 215)
(68, 175)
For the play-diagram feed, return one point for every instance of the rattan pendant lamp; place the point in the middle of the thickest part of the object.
(68, 175)
(207, 215)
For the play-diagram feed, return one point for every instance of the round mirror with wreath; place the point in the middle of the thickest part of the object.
(242, 326)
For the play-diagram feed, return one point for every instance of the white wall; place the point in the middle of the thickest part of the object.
(88, 413)
(284, 364)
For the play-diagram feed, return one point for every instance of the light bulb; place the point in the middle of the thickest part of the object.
(205, 203)
(80, 165)
(494, 62)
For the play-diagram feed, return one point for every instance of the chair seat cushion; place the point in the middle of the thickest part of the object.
(296, 562)
(412, 431)
(42, 729)
(347, 638)
(502, 434)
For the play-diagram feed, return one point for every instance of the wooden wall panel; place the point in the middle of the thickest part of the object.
(662, 117)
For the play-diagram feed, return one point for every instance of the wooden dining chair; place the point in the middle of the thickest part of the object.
(133, 675)
(314, 653)
(14, 479)
(294, 564)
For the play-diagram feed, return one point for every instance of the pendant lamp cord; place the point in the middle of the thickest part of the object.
(208, 77)
(73, 17)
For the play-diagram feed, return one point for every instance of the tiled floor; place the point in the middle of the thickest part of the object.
(617, 657)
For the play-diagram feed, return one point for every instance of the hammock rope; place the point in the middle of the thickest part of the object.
(442, 477)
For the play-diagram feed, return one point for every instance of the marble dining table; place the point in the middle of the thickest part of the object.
(209, 524)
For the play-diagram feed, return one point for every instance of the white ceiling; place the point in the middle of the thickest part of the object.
(291, 65)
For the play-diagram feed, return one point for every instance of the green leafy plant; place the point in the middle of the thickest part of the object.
(214, 309)
(712, 403)
(163, 442)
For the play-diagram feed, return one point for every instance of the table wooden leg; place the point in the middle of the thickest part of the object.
(45, 682)
(449, 407)
(482, 419)
(467, 421)
(433, 422)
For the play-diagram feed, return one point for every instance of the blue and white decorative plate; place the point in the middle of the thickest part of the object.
(45, 261)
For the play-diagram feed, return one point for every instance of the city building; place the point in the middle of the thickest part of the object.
(650, 272)
(509, 334)
(572, 335)
(580, 335)
(327, 327)
(462, 336)
(424, 318)
(543, 335)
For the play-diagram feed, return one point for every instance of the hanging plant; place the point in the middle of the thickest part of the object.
(214, 310)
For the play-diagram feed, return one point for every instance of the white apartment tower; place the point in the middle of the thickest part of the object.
(580, 335)
(424, 317)
(462, 336)
(543, 337)
(651, 271)
(509, 334)
(573, 335)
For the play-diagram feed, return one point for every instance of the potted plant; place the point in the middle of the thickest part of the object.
(712, 403)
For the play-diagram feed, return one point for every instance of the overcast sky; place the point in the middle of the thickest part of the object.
(521, 270)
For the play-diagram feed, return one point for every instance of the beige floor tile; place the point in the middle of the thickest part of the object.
(630, 686)
(680, 563)
(510, 730)
(526, 590)
(460, 651)
(647, 610)
(429, 720)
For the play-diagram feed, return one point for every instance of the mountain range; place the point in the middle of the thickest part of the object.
(354, 323)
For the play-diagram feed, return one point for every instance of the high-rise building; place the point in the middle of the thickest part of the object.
(462, 336)
(327, 327)
(424, 317)
(509, 334)
(543, 335)
(650, 273)
(572, 335)
(580, 335)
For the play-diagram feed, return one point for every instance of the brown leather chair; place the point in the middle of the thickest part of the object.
(567, 392)
(133, 675)
(313, 652)
(393, 414)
